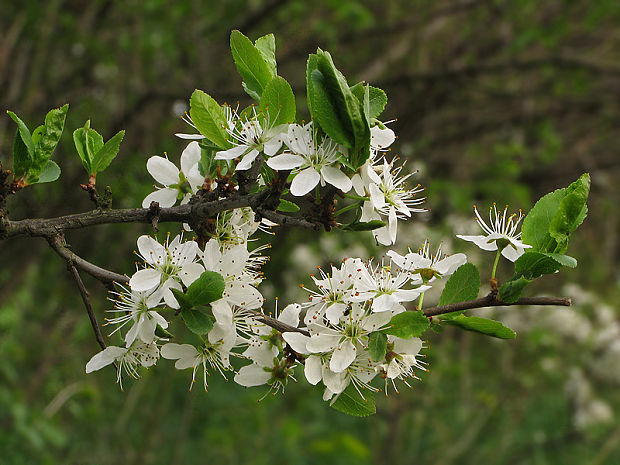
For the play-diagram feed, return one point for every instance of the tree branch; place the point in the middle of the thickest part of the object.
(58, 244)
(491, 300)
(86, 300)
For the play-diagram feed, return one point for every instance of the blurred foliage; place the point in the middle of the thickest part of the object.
(496, 101)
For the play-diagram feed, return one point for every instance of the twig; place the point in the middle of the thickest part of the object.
(86, 300)
(58, 244)
(491, 300)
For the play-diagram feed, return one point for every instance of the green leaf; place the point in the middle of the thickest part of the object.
(324, 110)
(197, 320)
(206, 289)
(510, 291)
(377, 99)
(377, 346)
(549, 225)
(535, 230)
(252, 67)
(482, 325)
(107, 153)
(21, 158)
(350, 402)
(571, 213)
(209, 118)
(24, 132)
(464, 284)
(368, 226)
(408, 324)
(83, 147)
(564, 260)
(286, 206)
(266, 45)
(278, 102)
(182, 299)
(348, 107)
(531, 265)
(49, 138)
(50, 172)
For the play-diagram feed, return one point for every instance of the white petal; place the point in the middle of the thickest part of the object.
(381, 138)
(247, 160)
(305, 181)
(336, 178)
(448, 265)
(230, 154)
(260, 353)
(173, 351)
(384, 303)
(407, 346)
(131, 335)
(511, 253)
(190, 157)
(480, 241)
(252, 375)
(145, 280)
(290, 315)
(165, 197)
(343, 357)
(322, 342)
(300, 139)
(151, 251)
(163, 170)
(190, 273)
(376, 196)
(296, 341)
(335, 311)
(392, 224)
(358, 185)
(313, 369)
(190, 136)
(104, 358)
(285, 161)
(335, 382)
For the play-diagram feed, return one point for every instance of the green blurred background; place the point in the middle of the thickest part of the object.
(496, 101)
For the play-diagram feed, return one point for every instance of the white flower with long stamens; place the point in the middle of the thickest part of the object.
(313, 162)
(391, 198)
(177, 184)
(209, 355)
(381, 138)
(345, 339)
(384, 287)
(425, 266)
(359, 373)
(401, 360)
(249, 137)
(127, 359)
(168, 265)
(501, 232)
(334, 291)
(136, 307)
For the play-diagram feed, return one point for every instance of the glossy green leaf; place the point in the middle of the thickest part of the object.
(209, 118)
(197, 320)
(377, 346)
(23, 130)
(535, 229)
(531, 265)
(21, 158)
(49, 138)
(266, 45)
(571, 213)
(50, 173)
(324, 110)
(408, 324)
(511, 290)
(107, 153)
(278, 102)
(350, 402)
(367, 226)
(252, 67)
(482, 325)
(464, 284)
(206, 289)
(288, 207)
(182, 299)
(377, 99)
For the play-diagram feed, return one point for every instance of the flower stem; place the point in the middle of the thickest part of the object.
(356, 197)
(499, 253)
(421, 301)
(346, 209)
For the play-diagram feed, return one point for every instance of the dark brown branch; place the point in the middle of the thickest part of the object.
(491, 300)
(58, 244)
(86, 300)
(278, 325)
